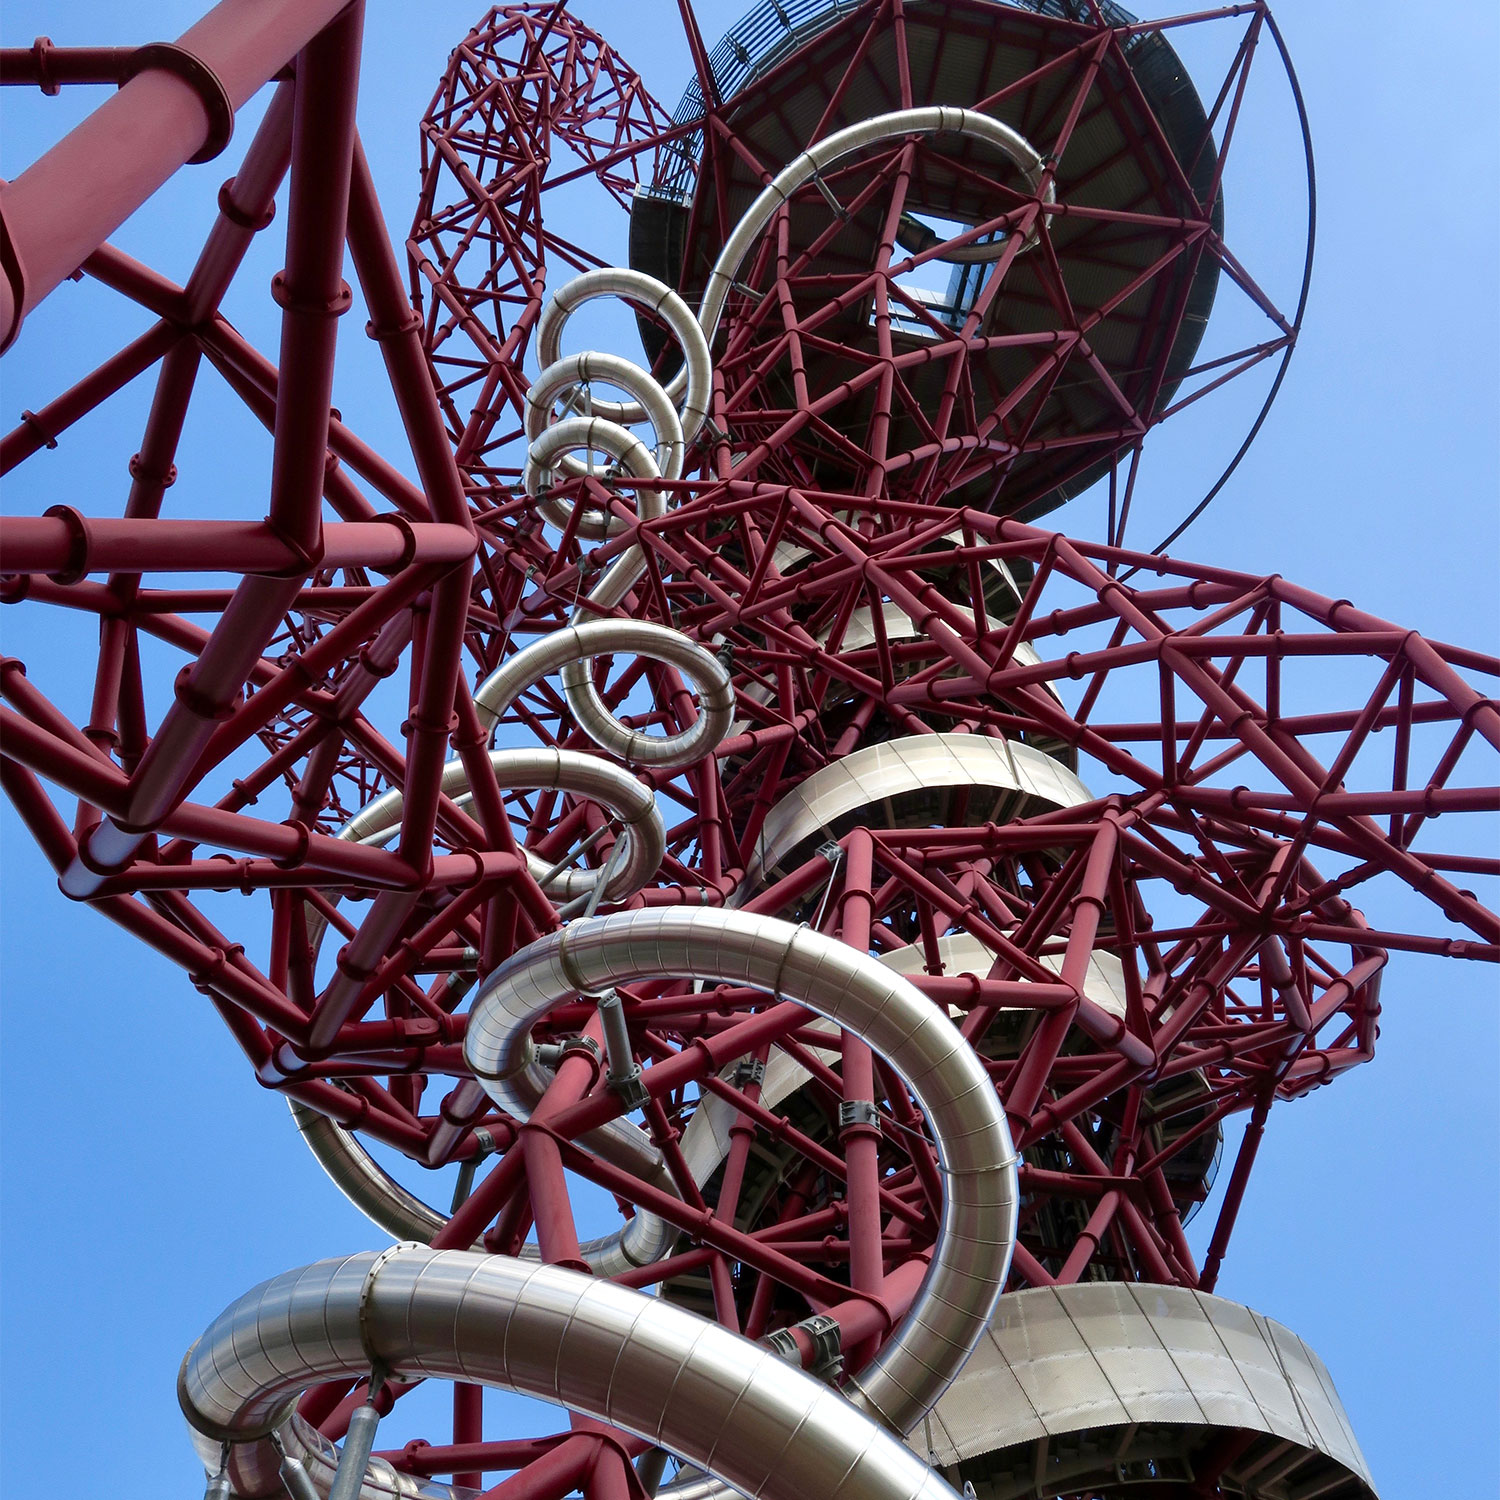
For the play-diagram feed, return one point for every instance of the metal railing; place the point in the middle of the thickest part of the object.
(751, 47)
(772, 31)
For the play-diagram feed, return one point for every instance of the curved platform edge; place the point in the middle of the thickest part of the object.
(1104, 1385)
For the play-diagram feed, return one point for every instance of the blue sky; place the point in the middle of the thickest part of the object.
(147, 1180)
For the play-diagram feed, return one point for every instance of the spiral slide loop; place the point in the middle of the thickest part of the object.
(551, 448)
(356, 1174)
(935, 119)
(645, 1237)
(527, 769)
(690, 385)
(977, 1234)
(561, 380)
(570, 651)
(604, 428)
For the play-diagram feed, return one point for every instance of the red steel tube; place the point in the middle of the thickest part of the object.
(861, 1138)
(66, 204)
(72, 544)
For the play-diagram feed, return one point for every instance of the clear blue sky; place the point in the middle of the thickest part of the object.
(147, 1180)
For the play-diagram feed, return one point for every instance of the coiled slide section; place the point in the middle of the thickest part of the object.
(367, 1185)
(859, 994)
(729, 1406)
(733, 1408)
(569, 652)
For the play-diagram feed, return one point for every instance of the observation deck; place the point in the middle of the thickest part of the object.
(1121, 263)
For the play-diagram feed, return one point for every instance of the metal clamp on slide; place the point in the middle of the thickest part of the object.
(827, 1363)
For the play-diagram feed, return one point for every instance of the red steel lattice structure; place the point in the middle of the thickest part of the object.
(852, 532)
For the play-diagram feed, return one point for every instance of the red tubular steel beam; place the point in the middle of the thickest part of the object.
(25, 791)
(151, 470)
(48, 67)
(860, 1134)
(436, 666)
(258, 384)
(70, 544)
(382, 621)
(468, 1428)
(158, 294)
(64, 206)
(247, 204)
(431, 1459)
(556, 1473)
(42, 429)
(546, 1183)
(95, 780)
(702, 1224)
(204, 693)
(311, 291)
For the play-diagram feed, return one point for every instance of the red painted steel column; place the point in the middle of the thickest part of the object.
(860, 1136)
(1234, 1194)
(247, 205)
(612, 1478)
(311, 289)
(551, 1206)
(468, 1425)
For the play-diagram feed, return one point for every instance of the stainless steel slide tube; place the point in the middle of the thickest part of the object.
(856, 992)
(729, 1406)
(367, 1185)
(569, 651)
(745, 1425)
(527, 769)
(928, 120)
(556, 444)
(690, 385)
(562, 378)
